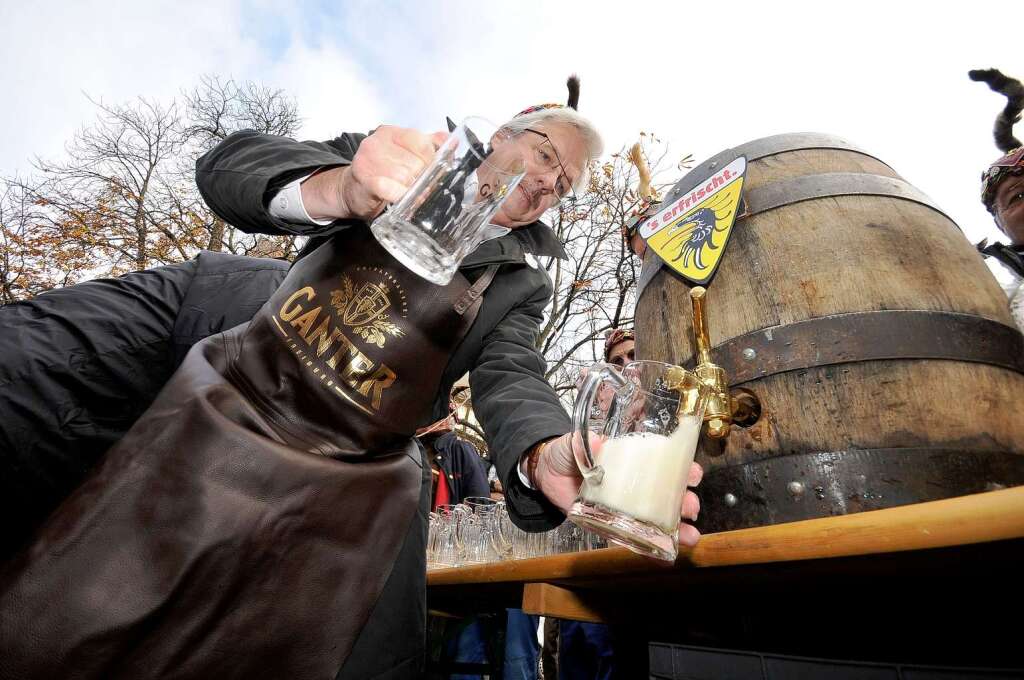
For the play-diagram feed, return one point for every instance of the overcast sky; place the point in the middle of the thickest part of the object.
(889, 76)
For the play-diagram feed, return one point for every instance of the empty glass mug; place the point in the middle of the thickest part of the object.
(445, 549)
(479, 531)
(442, 217)
(634, 481)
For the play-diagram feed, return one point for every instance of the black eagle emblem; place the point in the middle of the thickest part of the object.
(692, 239)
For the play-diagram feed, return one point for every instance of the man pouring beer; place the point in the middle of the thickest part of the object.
(267, 514)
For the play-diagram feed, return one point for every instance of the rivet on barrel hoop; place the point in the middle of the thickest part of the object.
(730, 500)
(795, 489)
(749, 354)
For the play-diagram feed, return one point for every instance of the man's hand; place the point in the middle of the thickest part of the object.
(384, 167)
(554, 472)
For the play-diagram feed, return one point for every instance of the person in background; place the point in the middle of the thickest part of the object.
(458, 471)
(620, 347)
(584, 651)
(497, 492)
(1002, 188)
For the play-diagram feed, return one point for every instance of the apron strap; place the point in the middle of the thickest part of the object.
(466, 300)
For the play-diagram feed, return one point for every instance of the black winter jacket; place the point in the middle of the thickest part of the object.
(511, 398)
(79, 365)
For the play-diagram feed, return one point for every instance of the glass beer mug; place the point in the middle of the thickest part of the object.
(442, 217)
(647, 417)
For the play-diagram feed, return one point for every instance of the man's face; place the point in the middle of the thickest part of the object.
(622, 353)
(553, 164)
(1009, 208)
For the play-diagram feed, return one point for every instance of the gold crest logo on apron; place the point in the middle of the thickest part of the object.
(690, 234)
(370, 307)
(366, 310)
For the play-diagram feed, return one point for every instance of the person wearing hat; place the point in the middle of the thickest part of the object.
(291, 449)
(457, 469)
(619, 347)
(1002, 187)
(1003, 194)
(580, 650)
(460, 473)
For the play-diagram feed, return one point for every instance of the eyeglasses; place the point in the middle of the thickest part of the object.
(622, 360)
(563, 186)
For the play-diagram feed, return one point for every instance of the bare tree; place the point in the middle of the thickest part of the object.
(106, 194)
(595, 289)
(23, 268)
(215, 109)
(17, 254)
(123, 196)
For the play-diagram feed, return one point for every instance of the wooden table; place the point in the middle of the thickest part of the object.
(932, 581)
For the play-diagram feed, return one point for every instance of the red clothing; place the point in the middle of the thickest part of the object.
(442, 496)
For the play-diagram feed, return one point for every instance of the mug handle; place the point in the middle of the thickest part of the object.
(596, 374)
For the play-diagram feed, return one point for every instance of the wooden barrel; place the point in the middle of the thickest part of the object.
(880, 347)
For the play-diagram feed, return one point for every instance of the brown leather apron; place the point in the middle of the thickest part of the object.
(247, 523)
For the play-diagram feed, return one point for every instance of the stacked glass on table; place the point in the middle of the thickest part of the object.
(479, 530)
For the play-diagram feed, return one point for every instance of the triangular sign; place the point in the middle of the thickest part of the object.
(690, 234)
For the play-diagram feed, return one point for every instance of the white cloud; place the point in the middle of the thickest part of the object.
(890, 77)
(117, 51)
(334, 94)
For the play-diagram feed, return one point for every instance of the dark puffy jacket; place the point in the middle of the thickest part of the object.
(79, 365)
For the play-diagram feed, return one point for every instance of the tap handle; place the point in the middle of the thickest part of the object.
(700, 324)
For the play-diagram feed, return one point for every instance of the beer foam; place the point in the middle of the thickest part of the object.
(645, 474)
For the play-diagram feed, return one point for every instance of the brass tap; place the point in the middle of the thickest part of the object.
(718, 412)
(691, 390)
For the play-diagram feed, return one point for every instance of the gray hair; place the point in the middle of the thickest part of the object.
(564, 116)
